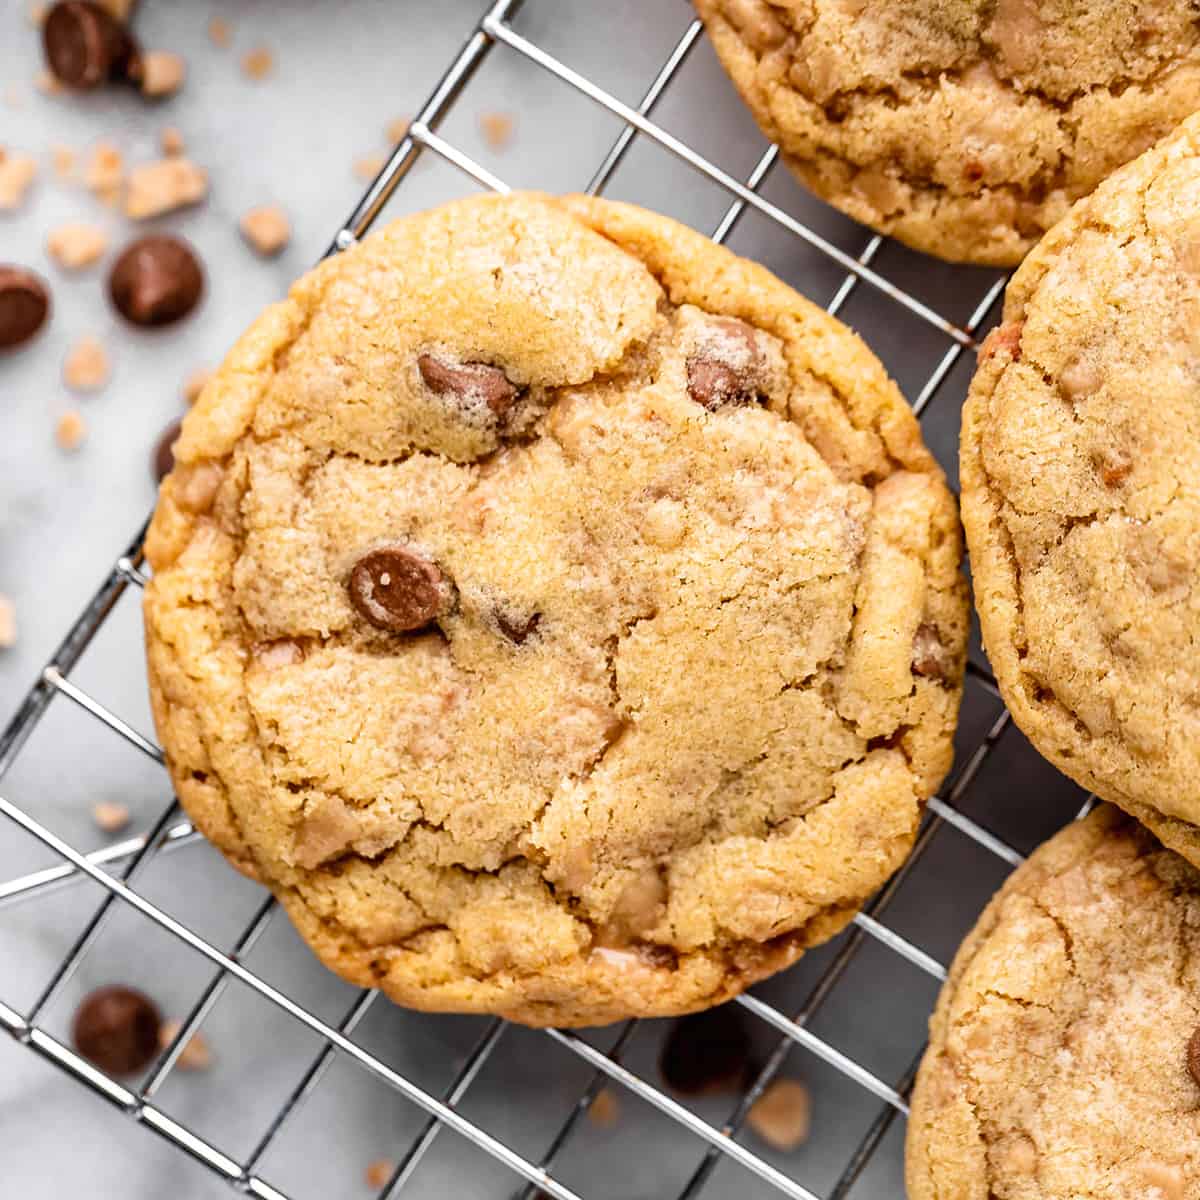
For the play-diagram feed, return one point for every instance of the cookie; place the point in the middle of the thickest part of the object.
(1079, 464)
(1059, 1052)
(964, 128)
(559, 614)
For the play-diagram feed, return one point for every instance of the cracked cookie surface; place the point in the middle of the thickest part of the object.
(562, 616)
(964, 128)
(1058, 1060)
(1080, 468)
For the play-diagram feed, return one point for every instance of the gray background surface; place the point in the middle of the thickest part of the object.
(342, 72)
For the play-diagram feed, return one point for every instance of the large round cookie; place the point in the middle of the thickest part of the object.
(962, 127)
(1058, 1060)
(558, 613)
(1080, 465)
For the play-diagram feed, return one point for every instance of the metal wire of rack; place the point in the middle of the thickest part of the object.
(117, 868)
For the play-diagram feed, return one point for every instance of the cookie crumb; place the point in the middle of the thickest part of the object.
(195, 1055)
(379, 1172)
(497, 128)
(109, 816)
(193, 385)
(70, 431)
(369, 166)
(105, 172)
(258, 63)
(17, 173)
(781, 1115)
(86, 367)
(605, 1109)
(220, 32)
(397, 129)
(63, 158)
(266, 229)
(76, 245)
(8, 623)
(171, 141)
(163, 73)
(163, 186)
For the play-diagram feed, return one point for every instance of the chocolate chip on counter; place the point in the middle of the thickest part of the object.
(156, 280)
(469, 381)
(724, 369)
(24, 305)
(707, 1052)
(1193, 1055)
(85, 45)
(517, 629)
(162, 461)
(117, 1029)
(397, 590)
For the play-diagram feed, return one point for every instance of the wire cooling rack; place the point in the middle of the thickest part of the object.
(850, 1017)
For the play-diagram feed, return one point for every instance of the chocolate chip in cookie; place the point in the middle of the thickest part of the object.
(396, 589)
(726, 367)
(469, 382)
(518, 630)
(707, 1052)
(1193, 1055)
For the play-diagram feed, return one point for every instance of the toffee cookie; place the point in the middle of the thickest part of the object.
(1060, 1061)
(1080, 466)
(965, 128)
(562, 616)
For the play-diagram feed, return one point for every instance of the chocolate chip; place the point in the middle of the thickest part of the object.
(517, 629)
(469, 381)
(1193, 1055)
(726, 367)
(85, 45)
(397, 590)
(24, 305)
(707, 1052)
(117, 1029)
(156, 280)
(162, 461)
(930, 658)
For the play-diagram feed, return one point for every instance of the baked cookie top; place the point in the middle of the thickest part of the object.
(962, 127)
(1058, 1060)
(560, 614)
(1080, 466)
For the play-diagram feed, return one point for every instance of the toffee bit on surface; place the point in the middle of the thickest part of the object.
(258, 63)
(163, 73)
(220, 32)
(196, 1055)
(8, 623)
(63, 160)
(605, 1110)
(17, 173)
(171, 141)
(497, 128)
(782, 1114)
(266, 229)
(110, 816)
(164, 186)
(369, 165)
(76, 245)
(397, 129)
(379, 1172)
(86, 367)
(105, 171)
(70, 431)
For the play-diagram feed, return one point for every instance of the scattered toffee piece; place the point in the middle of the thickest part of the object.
(396, 590)
(1193, 1055)
(117, 1029)
(726, 370)
(24, 305)
(85, 45)
(156, 280)
(706, 1052)
(162, 460)
(469, 381)
(517, 629)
